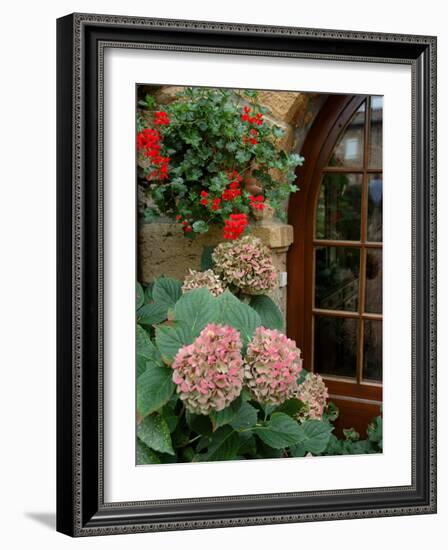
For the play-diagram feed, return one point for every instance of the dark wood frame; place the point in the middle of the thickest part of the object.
(359, 401)
(81, 509)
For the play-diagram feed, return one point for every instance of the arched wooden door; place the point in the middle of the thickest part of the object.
(335, 263)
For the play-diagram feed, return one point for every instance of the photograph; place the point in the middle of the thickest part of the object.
(259, 274)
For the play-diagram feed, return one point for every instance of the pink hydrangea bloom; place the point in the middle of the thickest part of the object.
(209, 372)
(247, 264)
(273, 364)
(314, 394)
(203, 279)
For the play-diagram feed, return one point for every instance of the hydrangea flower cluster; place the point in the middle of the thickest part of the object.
(247, 264)
(203, 279)
(273, 364)
(314, 394)
(209, 372)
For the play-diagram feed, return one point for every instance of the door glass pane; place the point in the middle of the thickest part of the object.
(376, 132)
(373, 350)
(349, 150)
(374, 281)
(338, 213)
(335, 345)
(375, 208)
(337, 278)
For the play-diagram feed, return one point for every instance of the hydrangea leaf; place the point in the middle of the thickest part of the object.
(291, 407)
(298, 450)
(221, 418)
(280, 431)
(246, 417)
(270, 314)
(154, 388)
(224, 445)
(151, 314)
(238, 315)
(197, 308)
(169, 338)
(145, 455)
(316, 435)
(139, 295)
(166, 291)
(155, 434)
(144, 345)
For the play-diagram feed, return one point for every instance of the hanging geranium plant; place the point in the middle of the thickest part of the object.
(208, 158)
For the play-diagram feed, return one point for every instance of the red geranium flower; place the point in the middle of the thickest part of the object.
(161, 118)
(234, 226)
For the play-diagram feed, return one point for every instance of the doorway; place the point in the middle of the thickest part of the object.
(335, 263)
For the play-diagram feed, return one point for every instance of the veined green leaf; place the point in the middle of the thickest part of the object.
(154, 433)
(197, 308)
(166, 291)
(280, 431)
(154, 388)
(270, 315)
(169, 338)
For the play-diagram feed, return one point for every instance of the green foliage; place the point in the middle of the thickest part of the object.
(269, 312)
(245, 418)
(225, 416)
(153, 431)
(151, 314)
(245, 429)
(238, 315)
(154, 388)
(197, 308)
(279, 432)
(139, 295)
(223, 445)
(206, 258)
(169, 338)
(206, 139)
(145, 455)
(166, 291)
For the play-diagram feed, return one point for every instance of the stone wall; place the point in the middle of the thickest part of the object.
(163, 250)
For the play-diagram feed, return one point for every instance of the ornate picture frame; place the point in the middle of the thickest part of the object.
(81, 506)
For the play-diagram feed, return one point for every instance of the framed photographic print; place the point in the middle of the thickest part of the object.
(246, 275)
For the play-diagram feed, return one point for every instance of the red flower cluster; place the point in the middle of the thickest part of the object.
(161, 118)
(234, 226)
(215, 205)
(149, 141)
(257, 119)
(257, 203)
(234, 186)
(186, 226)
